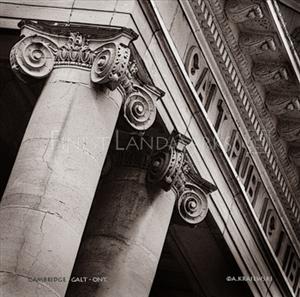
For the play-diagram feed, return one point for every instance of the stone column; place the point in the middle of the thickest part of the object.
(48, 197)
(128, 223)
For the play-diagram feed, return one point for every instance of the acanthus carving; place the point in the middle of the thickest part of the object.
(75, 52)
(256, 43)
(172, 170)
(269, 73)
(241, 11)
(33, 56)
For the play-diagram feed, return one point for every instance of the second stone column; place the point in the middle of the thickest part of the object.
(125, 232)
(130, 217)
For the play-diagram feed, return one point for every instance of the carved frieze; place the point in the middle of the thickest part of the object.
(215, 21)
(194, 64)
(241, 11)
(200, 76)
(172, 170)
(219, 31)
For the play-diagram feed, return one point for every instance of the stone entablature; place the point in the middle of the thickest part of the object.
(265, 135)
(271, 225)
(238, 152)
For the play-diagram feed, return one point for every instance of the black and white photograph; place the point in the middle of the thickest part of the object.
(149, 148)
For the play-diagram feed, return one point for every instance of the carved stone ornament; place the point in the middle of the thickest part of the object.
(102, 51)
(167, 164)
(33, 56)
(139, 109)
(127, 81)
(192, 204)
(241, 11)
(47, 45)
(284, 104)
(255, 44)
(171, 169)
(110, 65)
(269, 73)
(75, 52)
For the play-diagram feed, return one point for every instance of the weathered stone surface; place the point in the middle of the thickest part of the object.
(47, 199)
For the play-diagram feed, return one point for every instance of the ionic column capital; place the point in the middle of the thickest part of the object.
(172, 169)
(103, 51)
(45, 46)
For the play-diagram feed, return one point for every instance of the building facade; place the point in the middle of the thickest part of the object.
(150, 148)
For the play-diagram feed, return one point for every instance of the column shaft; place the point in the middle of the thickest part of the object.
(124, 236)
(44, 208)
